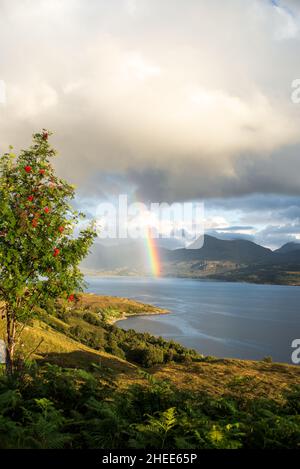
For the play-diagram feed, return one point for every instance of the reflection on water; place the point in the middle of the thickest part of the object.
(216, 318)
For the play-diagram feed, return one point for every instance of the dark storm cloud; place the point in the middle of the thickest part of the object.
(151, 184)
(258, 202)
(275, 173)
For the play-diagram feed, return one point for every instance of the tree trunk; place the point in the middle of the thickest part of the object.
(10, 342)
(8, 362)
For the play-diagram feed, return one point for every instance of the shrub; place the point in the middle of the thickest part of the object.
(147, 356)
(92, 318)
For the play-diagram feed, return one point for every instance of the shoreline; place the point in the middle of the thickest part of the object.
(211, 278)
(127, 316)
(118, 308)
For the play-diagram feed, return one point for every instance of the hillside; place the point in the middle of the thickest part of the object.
(281, 268)
(53, 339)
(236, 250)
(93, 385)
(288, 247)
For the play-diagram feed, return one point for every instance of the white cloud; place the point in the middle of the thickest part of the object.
(137, 66)
(288, 25)
(131, 6)
(191, 89)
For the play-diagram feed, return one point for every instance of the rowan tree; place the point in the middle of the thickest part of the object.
(39, 251)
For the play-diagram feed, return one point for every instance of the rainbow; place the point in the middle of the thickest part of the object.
(153, 254)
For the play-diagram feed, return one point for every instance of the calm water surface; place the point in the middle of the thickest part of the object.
(216, 318)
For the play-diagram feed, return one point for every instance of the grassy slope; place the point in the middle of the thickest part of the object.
(216, 376)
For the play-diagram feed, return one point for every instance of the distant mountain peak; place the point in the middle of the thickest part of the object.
(236, 250)
(288, 247)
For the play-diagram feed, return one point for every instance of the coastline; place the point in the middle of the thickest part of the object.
(127, 316)
(118, 308)
(211, 277)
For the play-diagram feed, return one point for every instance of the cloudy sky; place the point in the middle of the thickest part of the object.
(171, 100)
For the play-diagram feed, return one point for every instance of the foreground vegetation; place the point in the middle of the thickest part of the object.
(92, 385)
(51, 407)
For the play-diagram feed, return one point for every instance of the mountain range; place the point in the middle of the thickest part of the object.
(236, 259)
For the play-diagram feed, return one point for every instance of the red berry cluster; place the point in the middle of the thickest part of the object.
(28, 169)
(35, 220)
(56, 252)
